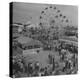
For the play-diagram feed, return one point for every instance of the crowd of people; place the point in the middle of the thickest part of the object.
(67, 63)
(69, 55)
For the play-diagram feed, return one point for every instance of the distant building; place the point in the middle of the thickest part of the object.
(17, 27)
(69, 42)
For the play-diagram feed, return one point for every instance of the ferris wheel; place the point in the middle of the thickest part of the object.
(51, 16)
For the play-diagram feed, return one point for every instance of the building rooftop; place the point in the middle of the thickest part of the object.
(28, 41)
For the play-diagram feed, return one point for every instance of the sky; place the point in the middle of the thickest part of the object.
(23, 12)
